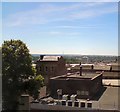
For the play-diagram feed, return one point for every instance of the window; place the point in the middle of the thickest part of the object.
(76, 103)
(83, 104)
(82, 92)
(78, 92)
(86, 93)
(40, 69)
(69, 103)
(46, 68)
(89, 105)
(63, 102)
(52, 69)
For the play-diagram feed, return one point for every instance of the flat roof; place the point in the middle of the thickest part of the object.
(105, 102)
(88, 66)
(76, 76)
(50, 58)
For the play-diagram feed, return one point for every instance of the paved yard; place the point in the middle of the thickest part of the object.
(109, 99)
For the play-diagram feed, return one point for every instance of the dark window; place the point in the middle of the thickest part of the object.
(83, 104)
(40, 69)
(46, 68)
(89, 105)
(76, 104)
(52, 69)
(63, 102)
(69, 103)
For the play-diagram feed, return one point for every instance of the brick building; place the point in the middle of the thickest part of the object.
(84, 86)
(50, 66)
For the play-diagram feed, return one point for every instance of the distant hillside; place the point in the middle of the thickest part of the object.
(72, 58)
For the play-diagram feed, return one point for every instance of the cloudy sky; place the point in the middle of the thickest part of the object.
(64, 27)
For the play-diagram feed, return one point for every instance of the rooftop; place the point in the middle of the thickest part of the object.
(76, 76)
(50, 58)
(88, 66)
(105, 102)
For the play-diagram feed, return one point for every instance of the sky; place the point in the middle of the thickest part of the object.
(86, 28)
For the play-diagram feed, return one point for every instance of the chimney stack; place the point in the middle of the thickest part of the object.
(92, 67)
(80, 69)
(41, 57)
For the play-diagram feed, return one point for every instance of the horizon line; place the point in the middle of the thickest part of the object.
(72, 54)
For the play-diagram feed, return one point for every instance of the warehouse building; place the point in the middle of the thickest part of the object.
(82, 84)
(50, 66)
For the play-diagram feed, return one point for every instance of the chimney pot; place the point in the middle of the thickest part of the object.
(80, 70)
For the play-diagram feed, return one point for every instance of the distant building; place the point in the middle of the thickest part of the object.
(50, 66)
(83, 85)
(85, 60)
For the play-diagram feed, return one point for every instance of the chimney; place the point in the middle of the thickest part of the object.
(24, 103)
(41, 57)
(92, 67)
(80, 69)
(110, 68)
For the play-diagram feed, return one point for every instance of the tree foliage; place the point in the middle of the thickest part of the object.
(33, 84)
(18, 75)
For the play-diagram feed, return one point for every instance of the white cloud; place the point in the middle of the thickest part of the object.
(55, 33)
(60, 33)
(47, 13)
(78, 27)
(88, 13)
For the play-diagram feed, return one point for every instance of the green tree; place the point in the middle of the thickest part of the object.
(33, 85)
(18, 75)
